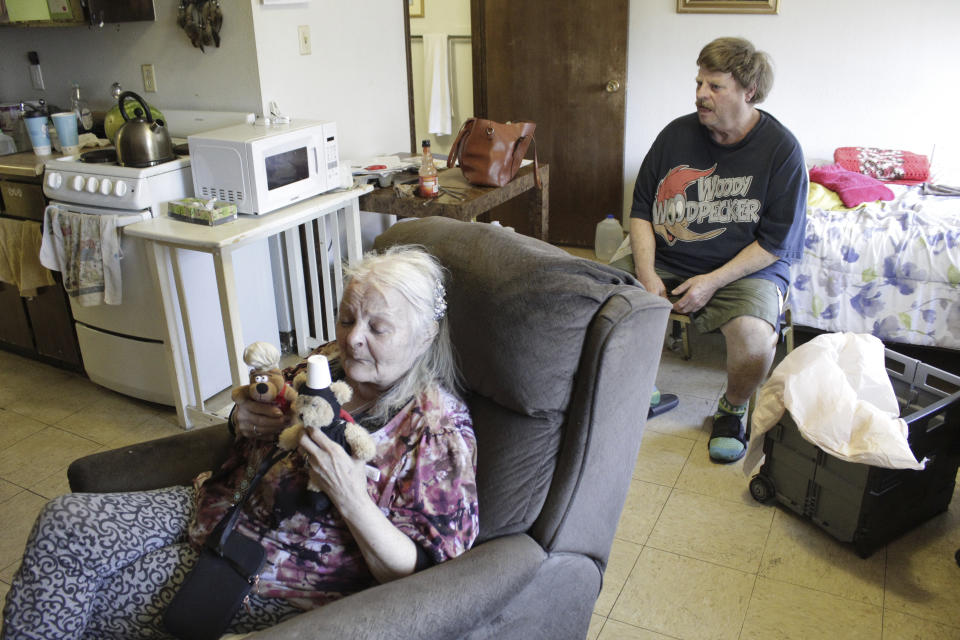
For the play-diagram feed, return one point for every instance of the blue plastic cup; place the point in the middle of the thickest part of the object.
(39, 136)
(66, 125)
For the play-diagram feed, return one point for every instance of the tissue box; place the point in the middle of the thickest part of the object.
(209, 212)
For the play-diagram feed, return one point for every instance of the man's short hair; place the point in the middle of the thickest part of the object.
(738, 57)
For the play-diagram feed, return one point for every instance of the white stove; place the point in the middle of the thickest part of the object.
(124, 346)
(110, 185)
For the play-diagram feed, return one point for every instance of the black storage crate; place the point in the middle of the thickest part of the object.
(862, 504)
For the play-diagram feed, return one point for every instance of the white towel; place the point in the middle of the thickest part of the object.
(85, 248)
(436, 83)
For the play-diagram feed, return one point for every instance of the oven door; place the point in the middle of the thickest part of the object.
(139, 315)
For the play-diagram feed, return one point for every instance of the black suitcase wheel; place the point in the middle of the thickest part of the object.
(761, 488)
(956, 556)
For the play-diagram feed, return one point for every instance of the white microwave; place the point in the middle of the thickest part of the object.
(262, 167)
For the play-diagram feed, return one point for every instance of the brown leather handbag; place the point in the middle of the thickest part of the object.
(489, 152)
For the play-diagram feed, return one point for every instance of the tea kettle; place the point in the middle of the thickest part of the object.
(141, 140)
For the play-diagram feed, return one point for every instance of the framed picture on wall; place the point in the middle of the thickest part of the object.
(727, 6)
(416, 8)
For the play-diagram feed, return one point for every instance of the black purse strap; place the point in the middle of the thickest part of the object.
(218, 537)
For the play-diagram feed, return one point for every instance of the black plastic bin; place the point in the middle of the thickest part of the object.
(862, 504)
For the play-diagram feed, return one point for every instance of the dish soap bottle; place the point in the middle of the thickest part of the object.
(429, 180)
(80, 107)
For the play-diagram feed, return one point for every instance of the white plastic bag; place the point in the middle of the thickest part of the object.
(838, 393)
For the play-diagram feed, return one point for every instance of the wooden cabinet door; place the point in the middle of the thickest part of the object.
(14, 325)
(563, 65)
(52, 322)
(120, 10)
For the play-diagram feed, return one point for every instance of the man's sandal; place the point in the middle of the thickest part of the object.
(728, 439)
(667, 401)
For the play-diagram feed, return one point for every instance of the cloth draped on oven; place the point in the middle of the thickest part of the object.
(20, 256)
(85, 248)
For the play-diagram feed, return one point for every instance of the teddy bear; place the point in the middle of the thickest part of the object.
(267, 383)
(318, 405)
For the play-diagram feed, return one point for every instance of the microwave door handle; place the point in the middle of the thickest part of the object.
(316, 161)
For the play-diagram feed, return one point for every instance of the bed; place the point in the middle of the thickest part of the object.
(888, 268)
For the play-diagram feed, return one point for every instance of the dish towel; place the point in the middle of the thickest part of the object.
(85, 248)
(436, 83)
(19, 256)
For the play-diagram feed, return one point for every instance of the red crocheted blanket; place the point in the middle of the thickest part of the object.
(889, 165)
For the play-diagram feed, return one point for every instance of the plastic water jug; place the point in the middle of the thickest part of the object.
(608, 238)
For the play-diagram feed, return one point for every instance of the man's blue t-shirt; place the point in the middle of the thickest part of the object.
(708, 201)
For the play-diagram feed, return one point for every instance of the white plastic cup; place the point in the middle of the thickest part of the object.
(39, 135)
(65, 123)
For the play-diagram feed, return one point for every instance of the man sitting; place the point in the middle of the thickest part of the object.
(719, 209)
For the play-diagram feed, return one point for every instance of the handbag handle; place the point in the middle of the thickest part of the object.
(454, 156)
(229, 520)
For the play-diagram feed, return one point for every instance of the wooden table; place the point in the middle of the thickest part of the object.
(164, 234)
(477, 200)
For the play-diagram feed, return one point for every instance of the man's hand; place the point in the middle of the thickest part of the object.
(694, 293)
(654, 285)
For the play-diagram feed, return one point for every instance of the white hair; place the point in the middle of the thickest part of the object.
(418, 277)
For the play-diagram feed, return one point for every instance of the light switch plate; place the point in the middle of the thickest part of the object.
(149, 78)
(303, 36)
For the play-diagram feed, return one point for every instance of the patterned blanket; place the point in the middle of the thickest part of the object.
(891, 269)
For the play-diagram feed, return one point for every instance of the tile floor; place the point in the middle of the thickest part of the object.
(695, 556)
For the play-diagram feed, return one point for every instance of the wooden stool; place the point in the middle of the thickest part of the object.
(680, 331)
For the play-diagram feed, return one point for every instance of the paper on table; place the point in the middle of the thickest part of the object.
(838, 393)
(390, 164)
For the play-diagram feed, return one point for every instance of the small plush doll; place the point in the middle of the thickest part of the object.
(266, 380)
(318, 406)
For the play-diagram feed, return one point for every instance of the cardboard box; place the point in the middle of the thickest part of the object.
(209, 212)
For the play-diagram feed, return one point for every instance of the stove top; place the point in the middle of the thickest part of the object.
(77, 164)
(106, 184)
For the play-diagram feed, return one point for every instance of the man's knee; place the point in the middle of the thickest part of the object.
(748, 335)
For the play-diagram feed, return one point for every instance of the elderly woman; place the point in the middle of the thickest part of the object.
(105, 565)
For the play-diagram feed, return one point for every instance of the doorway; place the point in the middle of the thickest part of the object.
(563, 65)
(447, 23)
(559, 63)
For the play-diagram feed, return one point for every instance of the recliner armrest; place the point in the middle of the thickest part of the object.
(444, 601)
(166, 462)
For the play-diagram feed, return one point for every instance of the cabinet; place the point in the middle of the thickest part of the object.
(40, 327)
(113, 11)
(53, 13)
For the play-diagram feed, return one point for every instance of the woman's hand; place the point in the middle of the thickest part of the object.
(338, 475)
(260, 420)
(388, 552)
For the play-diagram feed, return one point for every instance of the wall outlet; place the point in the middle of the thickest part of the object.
(149, 78)
(303, 36)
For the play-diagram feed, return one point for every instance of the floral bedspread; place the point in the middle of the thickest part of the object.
(891, 269)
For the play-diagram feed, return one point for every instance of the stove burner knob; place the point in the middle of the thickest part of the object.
(92, 184)
(120, 189)
(106, 186)
(54, 180)
(77, 183)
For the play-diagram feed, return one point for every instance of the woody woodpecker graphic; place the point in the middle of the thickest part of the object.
(670, 219)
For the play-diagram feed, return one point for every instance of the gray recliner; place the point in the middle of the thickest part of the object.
(559, 357)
